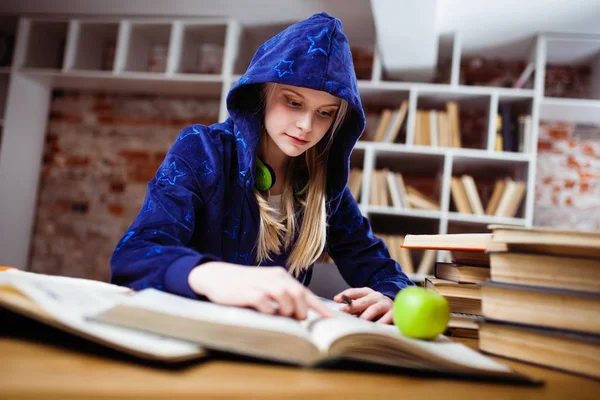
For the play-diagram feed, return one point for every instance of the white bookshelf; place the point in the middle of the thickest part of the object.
(70, 53)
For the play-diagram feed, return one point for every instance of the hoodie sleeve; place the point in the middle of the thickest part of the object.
(154, 252)
(362, 259)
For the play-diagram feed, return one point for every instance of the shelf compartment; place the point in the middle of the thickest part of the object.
(499, 68)
(573, 67)
(493, 178)
(148, 47)
(379, 101)
(46, 45)
(202, 49)
(385, 226)
(513, 125)
(417, 179)
(96, 46)
(470, 111)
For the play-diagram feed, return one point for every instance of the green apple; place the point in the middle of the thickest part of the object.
(421, 313)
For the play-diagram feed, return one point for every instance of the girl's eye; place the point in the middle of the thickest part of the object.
(294, 103)
(326, 114)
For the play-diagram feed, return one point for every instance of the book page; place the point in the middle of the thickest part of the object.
(167, 303)
(440, 353)
(70, 300)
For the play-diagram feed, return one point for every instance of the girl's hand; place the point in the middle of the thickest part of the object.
(269, 290)
(367, 304)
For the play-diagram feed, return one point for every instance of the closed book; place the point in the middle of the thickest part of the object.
(560, 272)
(548, 241)
(462, 298)
(461, 273)
(547, 307)
(559, 349)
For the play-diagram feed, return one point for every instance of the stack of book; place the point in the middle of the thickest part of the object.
(542, 303)
(458, 280)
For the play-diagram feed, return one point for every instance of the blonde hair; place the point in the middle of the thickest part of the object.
(278, 231)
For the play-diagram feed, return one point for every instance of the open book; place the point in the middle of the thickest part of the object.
(64, 303)
(314, 342)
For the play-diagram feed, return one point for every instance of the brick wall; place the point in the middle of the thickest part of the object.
(568, 176)
(100, 153)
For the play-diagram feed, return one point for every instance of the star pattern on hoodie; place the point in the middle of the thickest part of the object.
(204, 169)
(193, 130)
(319, 42)
(281, 67)
(170, 174)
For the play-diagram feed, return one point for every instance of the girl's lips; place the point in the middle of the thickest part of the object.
(296, 140)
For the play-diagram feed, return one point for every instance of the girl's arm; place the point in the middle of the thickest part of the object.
(362, 259)
(154, 251)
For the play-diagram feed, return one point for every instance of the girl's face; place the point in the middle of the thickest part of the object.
(297, 118)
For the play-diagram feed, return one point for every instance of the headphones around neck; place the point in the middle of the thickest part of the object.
(264, 177)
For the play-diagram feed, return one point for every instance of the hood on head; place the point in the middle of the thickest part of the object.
(313, 53)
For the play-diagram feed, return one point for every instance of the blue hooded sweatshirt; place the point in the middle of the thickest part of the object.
(200, 205)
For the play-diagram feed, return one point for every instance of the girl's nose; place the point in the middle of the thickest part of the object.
(305, 122)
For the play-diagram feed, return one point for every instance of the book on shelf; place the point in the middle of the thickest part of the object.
(461, 273)
(395, 123)
(462, 298)
(459, 196)
(396, 195)
(313, 342)
(418, 199)
(427, 262)
(524, 122)
(453, 118)
(433, 129)
(443, 126)
(511, 199)
(64, 303)
(525, 75)
(559, 349)
(471, 191)
(386, 116)
(542, 306)
(499, 144)
(492, 205)
(563, 272)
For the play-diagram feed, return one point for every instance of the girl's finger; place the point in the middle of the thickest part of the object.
(352, 293)
(373, 311)
(387, 317)
(358, 306)
(317, 305)
(300, 303)
(261, 302)
(287, 305)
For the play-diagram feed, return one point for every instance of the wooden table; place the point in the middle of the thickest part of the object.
(35, 368)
